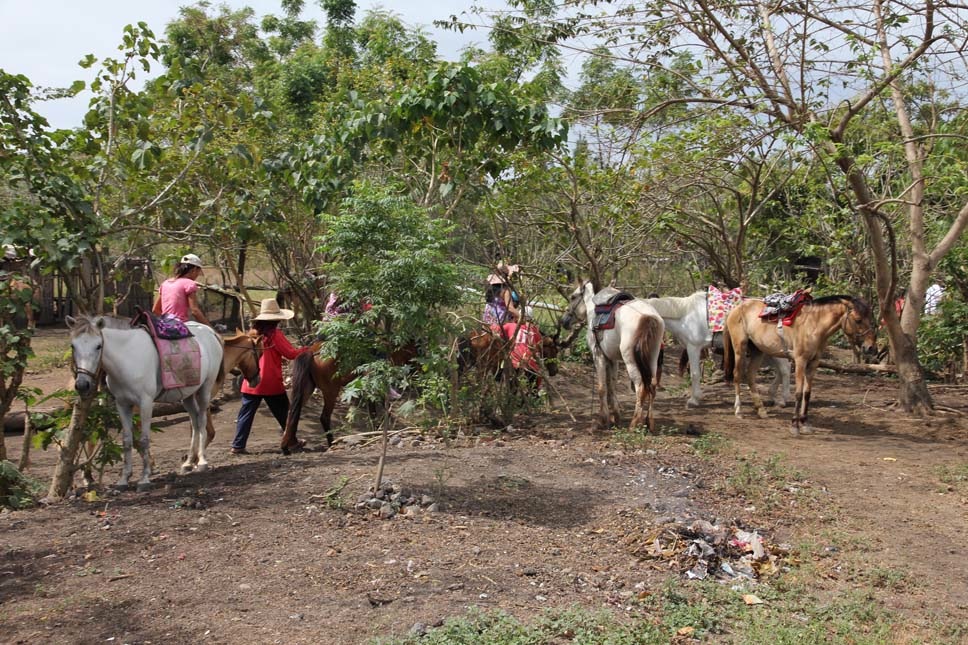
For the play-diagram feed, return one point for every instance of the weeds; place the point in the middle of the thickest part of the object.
(334, 495)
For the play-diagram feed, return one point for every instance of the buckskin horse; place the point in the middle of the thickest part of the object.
(636, 339)
(488, 352)
(804, 340)
(129, 359)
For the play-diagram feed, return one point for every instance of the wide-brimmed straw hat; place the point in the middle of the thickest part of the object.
(504, 272)
(270, 310)
(192, 259)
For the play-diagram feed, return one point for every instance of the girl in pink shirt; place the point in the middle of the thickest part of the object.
(176, 295)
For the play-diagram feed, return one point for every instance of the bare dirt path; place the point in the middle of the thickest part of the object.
(265, 548)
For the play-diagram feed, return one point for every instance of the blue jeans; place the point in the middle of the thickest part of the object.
(278, 405)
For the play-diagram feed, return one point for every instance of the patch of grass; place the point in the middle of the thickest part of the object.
(953, 475)
(763, 481)
(683, 611)
(887, 578)
(709, 444)
(334, 495)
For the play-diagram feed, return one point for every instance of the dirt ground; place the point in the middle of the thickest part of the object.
(547, 513)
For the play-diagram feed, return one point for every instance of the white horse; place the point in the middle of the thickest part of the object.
(636, 339)
(688, 321)
(129, 359)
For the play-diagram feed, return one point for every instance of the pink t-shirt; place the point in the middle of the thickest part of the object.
(174, 297)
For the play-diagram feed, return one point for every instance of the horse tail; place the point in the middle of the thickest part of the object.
(729, 358)
(302, 382)
(647, 335)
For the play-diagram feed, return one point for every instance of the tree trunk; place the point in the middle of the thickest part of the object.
(64, 471)
(914, 394)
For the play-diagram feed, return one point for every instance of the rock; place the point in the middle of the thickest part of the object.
(387, 511)
(418, 629)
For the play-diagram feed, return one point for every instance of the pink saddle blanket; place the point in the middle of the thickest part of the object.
(719, 304)
(181, 362)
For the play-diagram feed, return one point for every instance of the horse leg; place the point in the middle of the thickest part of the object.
(695, 373)
(209, 427)
(144, 446)
(326, 417)
(751, 370)
(126, 413)
(611, 372)
(601, 387)
(739, 358)
(196, 452)
(811, 370)
(781, 367)
(799, 373)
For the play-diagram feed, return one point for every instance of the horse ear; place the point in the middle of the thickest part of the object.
(71, 321)
(100, 322)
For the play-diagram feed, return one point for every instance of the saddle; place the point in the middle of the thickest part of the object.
(783, 308)
(179, 355)
(606, 306)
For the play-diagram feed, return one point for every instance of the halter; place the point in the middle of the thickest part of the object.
(857, 336)
(96, 374)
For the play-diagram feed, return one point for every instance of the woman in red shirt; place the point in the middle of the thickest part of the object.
(275, 347)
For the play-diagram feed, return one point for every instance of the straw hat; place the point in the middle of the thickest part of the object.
(192, 259)
(270, 310)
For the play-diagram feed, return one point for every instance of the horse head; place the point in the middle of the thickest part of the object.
(576, 311)
(248, 360)
(549, 353)
(858, 326)
(86, 346)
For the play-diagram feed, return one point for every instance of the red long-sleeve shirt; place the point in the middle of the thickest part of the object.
(275, 347)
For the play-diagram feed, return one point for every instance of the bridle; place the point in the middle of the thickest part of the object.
(857, 336)
(96, 374)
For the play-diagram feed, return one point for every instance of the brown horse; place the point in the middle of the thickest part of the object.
(804, 341)
(241, 352)
(488, 352)
(311, 373)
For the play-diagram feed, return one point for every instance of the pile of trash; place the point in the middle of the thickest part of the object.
(703, 550)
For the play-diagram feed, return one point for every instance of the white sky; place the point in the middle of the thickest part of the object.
(44, 39)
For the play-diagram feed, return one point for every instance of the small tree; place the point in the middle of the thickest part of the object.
(391, 255)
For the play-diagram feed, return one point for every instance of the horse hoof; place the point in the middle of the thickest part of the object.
(762, 413)
(144, 487)
(804, 429)
(794, 431)
(186, 468)
(201, 468)
(120, 486)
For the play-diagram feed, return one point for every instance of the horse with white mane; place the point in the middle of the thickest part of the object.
(636, 339)
(687, 319)
(129, 359)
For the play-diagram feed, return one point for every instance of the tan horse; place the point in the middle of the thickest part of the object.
(804, 342)
(241, 352)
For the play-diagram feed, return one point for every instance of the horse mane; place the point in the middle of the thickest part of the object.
(673, 306)
(857, 303)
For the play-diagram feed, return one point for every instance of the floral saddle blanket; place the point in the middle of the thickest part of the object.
(179, 355)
